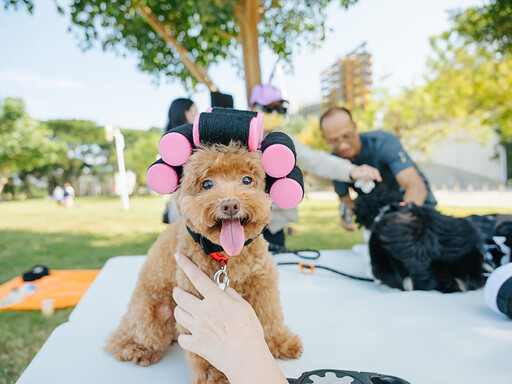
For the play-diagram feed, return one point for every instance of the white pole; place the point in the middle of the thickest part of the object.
(123, 184)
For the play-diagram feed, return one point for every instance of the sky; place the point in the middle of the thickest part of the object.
(42, 63)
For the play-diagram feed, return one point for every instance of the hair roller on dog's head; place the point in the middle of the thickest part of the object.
(258, 115)
(162, 178)
(279, 154)
(176, 146)
(221, 127)
(286, 192)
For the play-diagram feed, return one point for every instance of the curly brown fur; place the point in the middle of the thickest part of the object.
(148, 327)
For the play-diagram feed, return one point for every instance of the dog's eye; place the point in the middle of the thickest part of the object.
(247, 180)
(207, 184)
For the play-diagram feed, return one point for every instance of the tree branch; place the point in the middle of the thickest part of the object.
(262, 10)
(164, 31)
(227, 35)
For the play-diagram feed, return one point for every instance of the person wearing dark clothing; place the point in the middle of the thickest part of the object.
(181, 111)
(379, 149)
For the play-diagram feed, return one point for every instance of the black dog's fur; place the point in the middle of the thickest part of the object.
(414, 247)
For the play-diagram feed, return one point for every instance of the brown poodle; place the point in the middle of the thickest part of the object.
(222, 197)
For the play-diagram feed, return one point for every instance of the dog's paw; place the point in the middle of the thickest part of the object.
(210, 376)
(286, 347)
(136, 353)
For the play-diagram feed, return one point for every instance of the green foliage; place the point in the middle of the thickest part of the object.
(489, 25)
(86, 147)
(206, 29)
(307, 130)
(366, 118)
(473, 83)
(290, 23)
(141, 149)
(195, 25)
(467, 92)
(25, 143)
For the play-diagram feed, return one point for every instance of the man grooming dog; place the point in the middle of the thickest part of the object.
(223, 203)
(379, 149)
(268, 100)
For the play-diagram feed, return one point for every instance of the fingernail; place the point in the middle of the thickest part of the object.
(178, 256)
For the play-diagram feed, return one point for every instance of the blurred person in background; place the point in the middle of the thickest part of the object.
(182, 111)
(58, 194)
(379, 149)
(69, 196)
(268, 99)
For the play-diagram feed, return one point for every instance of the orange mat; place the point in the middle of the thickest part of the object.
(66, 287)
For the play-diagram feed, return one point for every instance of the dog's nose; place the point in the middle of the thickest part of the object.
(230, 207)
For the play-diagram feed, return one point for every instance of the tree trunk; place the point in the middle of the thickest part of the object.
(248, 17)
(26, 185)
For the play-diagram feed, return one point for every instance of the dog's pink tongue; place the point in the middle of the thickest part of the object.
(232, 237)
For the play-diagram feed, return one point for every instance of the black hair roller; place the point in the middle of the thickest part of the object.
(223, 127)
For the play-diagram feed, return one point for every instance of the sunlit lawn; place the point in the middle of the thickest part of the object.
(40, 232)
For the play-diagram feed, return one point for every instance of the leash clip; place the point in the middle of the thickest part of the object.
(307, 269)
(225, 281)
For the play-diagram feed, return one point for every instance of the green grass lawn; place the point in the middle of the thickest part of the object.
(40, 232)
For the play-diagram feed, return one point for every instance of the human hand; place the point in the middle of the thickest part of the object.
(348, 226)
(346, 215)
(224, 328)
(365, 172)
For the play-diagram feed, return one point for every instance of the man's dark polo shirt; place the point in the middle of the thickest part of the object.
(384, 151)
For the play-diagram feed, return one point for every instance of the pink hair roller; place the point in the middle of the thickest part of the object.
(287, 192)
(279, 154)
(162, 178)
(176, 146)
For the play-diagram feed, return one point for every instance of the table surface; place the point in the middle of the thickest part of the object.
(423, 337)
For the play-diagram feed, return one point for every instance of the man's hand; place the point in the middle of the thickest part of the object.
(346, 213)
(348, 226)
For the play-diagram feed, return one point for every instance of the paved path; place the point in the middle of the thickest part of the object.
(450, 198)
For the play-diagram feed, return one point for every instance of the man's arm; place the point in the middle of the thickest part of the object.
(349, 204)
(414, 188)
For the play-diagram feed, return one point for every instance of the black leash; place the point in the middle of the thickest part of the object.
(308, 269)
(309, 254)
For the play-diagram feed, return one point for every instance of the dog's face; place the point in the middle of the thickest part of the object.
(222, 195)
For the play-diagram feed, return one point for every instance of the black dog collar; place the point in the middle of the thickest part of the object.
(207, 245)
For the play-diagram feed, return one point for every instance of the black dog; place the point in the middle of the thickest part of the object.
(414, 247)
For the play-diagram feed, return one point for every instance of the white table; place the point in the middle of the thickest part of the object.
(423, 337)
